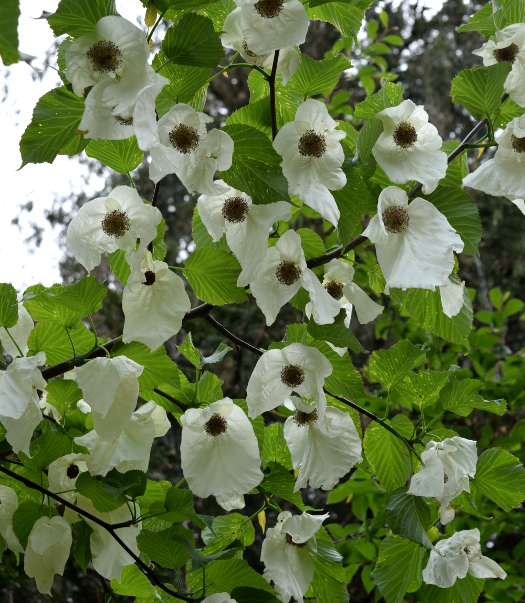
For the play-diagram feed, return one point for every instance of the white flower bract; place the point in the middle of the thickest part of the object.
(20, 333)
(219, 453)
(457, 556)
(415, 243)
(8, 506)
(451, 297)
(409, 148)
(312, 158)
(63, 474)
(111, 223)
(219, 598)
(247, 226)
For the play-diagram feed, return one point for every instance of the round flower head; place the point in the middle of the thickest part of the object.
(445, 472)
(415, 243)
(154, 302)
(8, 506)
(131, 450)
(21, 386)
(451, 297)
(47, 551)
(233, 37)
(280, 277)
(272, 24)
(111, 223)
(296, 368)
(409, 148)
(180, 144)
(247, 226)
(504, 175)
(312, 158)
(63, 474)
(289, 554)
(323, 449)
(219, 453)
(110, 386)
(20, 333)
(457, 556)
(508, 45)
(115, 47)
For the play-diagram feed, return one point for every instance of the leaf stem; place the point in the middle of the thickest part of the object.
(424, 431)
(13, 340)
(72, 344)
(232, 65)
(155, 26)
(131, 180)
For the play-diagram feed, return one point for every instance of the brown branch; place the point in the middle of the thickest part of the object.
(173, 400)
(324, 259)
(233, 338)
(271, 82)
(154, 204)
(199, 312)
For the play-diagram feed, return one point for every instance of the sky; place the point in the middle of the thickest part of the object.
(24, 264)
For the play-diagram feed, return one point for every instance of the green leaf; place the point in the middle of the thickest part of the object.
(55, 122)
(509, 110)
(117, 262)
(178, 506)
(390, 95)
(329, 583)
(104, 499)
(367, 138)
(84, 297)
(196, 358)
(387, 454)
(44, 306)
(83, 544)
(353, 201)
(495, 16)
(162, 548)
(275, 448)
(398, 565)
(217, 12)
(344, 381)
(9, 13)
(318, 77)
(213, 276)
(133, 583)
(480, 89)
(390, 367)
(466, 590)
(247, 594)
(501, 477)
(457, 169)
(408, 516)
(257, 115)
(224, 575)
(336, 333)
(201, 236)
(461, 397)
(227, 529)
(255, 166)
(193, 41)
(359, 483)
(123, 156)
(51, 338)
(347, 18)
(78, 17)
(376, 280)
(47, 448)
(26, 515)
(282, 483)
(8, 306)
(287, 98)
(422, 389)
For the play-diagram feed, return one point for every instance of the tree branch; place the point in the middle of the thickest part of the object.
(324, 259)
(271, 82)
(233, 338)
(173, 400)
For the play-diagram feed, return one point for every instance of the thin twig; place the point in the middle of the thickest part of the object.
(232, 65)
(324, 259)
(236, 340)
(199, 312)
(154, 204)
(271, 82)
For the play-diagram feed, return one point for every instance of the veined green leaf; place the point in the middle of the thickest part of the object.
(9, 13)
(193, 41)
(78, 17)
(390, 367)
(501, 477)
(123, 156)
(408, 516)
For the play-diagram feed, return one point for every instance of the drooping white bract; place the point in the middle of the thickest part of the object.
(154, 303)
(108, 557)
(457, 556)
(111, 223)
(296, 368)
(20, 411)
(451, 297)
(445, 473)
(233, 37)
(272, 24)
(180, 144)
(323, 449)
(409, 148)
(20, 333)
(247, 226)
(115, 47)
(504, 175)
(63, 474)
(132, 448)
(219, 598)
(280, 277)
(508, 45)
(289, 553)
(415, 243)
(312, 158)
(8, 506)
(110, 386)
(47, 551)
(219, 453)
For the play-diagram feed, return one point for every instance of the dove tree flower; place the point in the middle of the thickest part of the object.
(451, 297)
(504, 175)
(154, 303)
(110, 386)
(220, 453)
(20, 333)
(445, 472)
(289, 554)
(296, 368)
(47, 551)
(131, 450)
(508, 45)
(63, 474)
(233, 37)
(111, 223)
(20, 386)
(323, 449)
(219, 598)
(8, 506)
(457, 556)
(312, 158)
(247, 226)
(409, 148)
(180, 144)
(415, 243)
(280, 277)
(272, 24)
